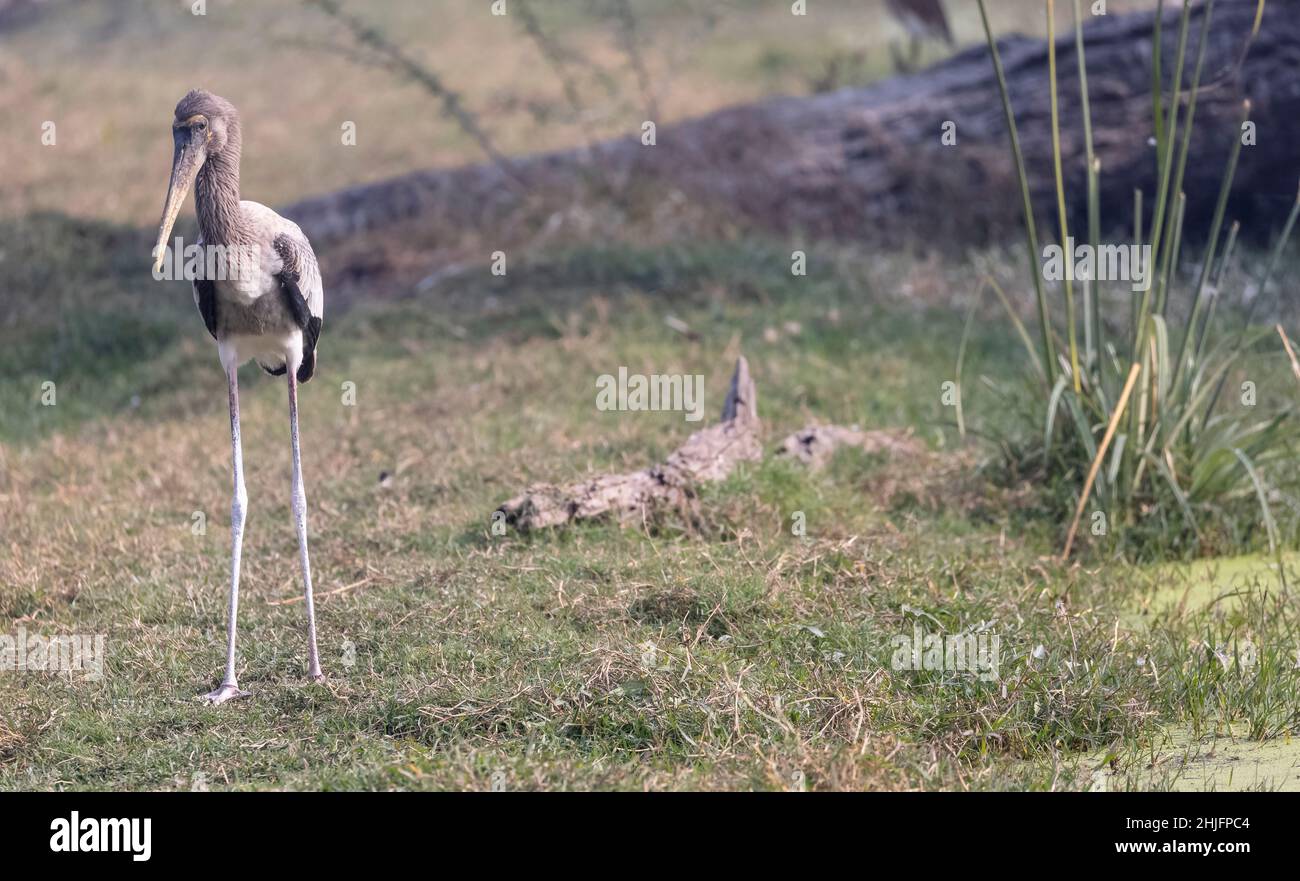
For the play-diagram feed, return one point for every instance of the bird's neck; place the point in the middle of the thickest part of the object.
(216, 195)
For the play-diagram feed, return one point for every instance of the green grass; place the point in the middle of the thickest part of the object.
(727, 653)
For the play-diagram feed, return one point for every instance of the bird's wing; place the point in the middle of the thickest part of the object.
(301, 283)
(299, 263)
(205, 297)
(297, 260)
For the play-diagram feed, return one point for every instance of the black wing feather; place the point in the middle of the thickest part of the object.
(294, 300)
(206, 292)
(298, 308)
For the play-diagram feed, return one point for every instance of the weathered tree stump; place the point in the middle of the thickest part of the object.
(708, 455)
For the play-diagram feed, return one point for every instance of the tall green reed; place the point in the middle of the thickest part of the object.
(1135, 425)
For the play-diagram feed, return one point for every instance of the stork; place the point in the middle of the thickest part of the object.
(922, 19)
(259, 292)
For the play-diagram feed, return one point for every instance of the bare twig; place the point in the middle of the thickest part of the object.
(344, 589)
(361, 56)
(554, 56)
(627, 32)
(452, 105)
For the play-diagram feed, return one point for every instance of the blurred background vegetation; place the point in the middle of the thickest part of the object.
(109, 74)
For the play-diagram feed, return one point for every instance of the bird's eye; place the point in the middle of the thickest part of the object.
(200, 125)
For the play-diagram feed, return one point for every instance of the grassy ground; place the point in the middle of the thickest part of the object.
(721, 654)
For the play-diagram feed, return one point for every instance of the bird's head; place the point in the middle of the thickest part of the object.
(205, 126)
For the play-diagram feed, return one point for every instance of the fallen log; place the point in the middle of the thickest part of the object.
(708, 455)
(871, 164)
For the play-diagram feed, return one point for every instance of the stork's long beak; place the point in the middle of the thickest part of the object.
(186, 162)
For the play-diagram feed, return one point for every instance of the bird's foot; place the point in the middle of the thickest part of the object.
(316, 676)
(228, 691)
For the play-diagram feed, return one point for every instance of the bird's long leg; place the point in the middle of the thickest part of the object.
(300, 521)
(239, 502)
